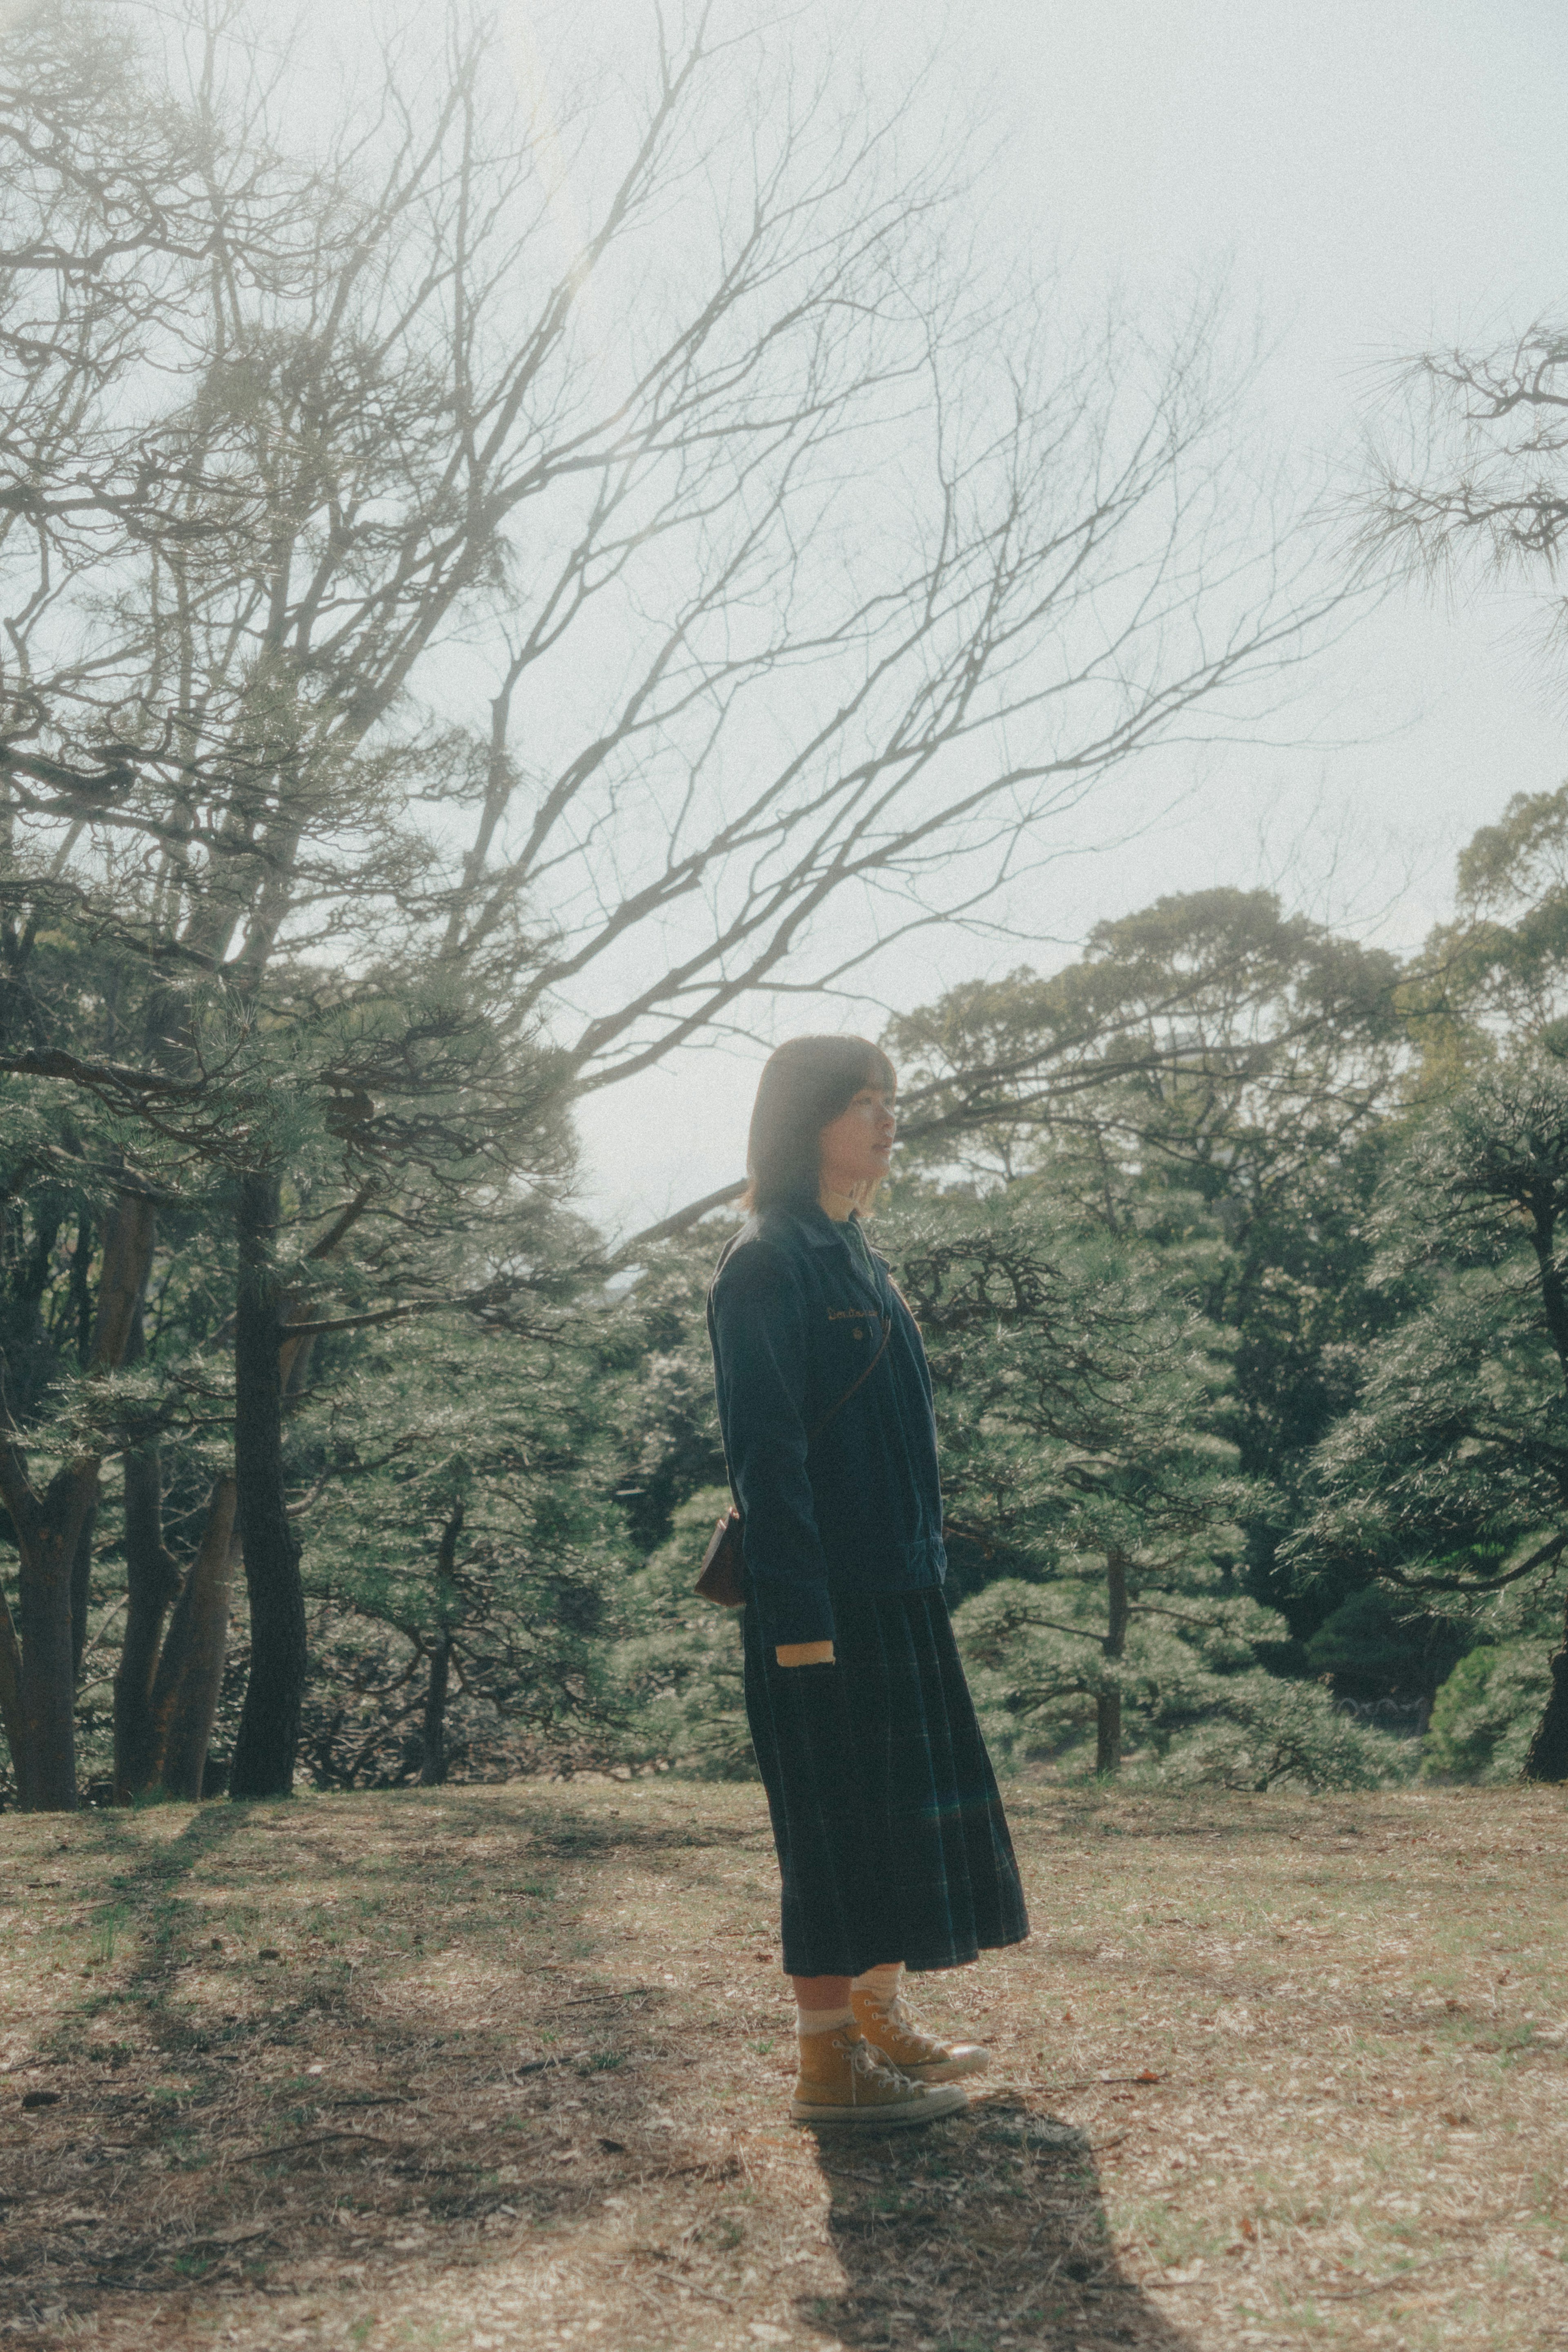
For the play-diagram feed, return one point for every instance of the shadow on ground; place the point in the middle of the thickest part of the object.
(989, 2229)
(377, 2062)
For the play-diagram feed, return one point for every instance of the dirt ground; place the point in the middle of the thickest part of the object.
(498, 2068)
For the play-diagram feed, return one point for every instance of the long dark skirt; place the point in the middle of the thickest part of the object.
(892, 1845)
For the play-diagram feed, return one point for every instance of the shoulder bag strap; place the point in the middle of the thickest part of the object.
(859, 1381)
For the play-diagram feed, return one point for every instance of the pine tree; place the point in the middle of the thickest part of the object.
(1209, 1055)
(1449, 1480)
(466, 1551)
(1094, 1500)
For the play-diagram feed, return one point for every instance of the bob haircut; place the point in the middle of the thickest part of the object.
(803, 1088)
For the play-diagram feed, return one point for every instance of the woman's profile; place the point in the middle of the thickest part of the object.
(894, 1851)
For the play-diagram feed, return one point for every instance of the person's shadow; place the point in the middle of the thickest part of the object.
(988, 2228)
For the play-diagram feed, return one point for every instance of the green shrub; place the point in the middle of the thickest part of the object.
(1196, 1707)
(1486, 1712)
(1266, 1733)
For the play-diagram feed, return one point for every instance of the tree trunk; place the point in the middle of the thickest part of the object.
(11, 1693)
(54, 1535)
(1108, 1705)
(433, 1771)
(47, 1552)
(191, 1671)
(1548, 1755)
(81, 1288)
(433, 1768)
(81, 1585)
(153, 1584)
(165, 1697)
(270, 1719)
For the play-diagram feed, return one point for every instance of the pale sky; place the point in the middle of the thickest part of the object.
(1376, 175)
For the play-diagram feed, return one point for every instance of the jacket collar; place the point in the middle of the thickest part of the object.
(823, 1231)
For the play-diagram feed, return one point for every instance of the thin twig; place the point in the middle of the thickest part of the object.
(316, 2140)
(1378, 2286)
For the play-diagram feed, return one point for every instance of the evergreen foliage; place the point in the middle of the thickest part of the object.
(677, 1669)
(1486, 1714)
(465, 1571)
(1093, 1497)
(1449, 1480)
(1209, 1059)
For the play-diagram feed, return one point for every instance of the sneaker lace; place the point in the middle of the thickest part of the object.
(865, 2059)
(905, 2021)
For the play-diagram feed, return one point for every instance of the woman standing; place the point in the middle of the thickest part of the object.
(893, 1847)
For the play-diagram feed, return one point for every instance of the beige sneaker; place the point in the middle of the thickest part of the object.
(843, 2080)
(896, 2038)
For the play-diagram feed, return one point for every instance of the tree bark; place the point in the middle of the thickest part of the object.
(47, 1550)
(269, 1720)
(1108, 1732)
(432, 1770)
(167, 1685)
(1108, 1705)
(11, 1695)
(81, 1585)
(153, 1584)
(54, 1534)
(127, 1255)
(191, 1671)
(80, 1290)
(1548, 1755)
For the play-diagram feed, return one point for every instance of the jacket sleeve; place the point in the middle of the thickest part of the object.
(759, 1368)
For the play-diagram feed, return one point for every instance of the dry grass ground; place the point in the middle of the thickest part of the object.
(507, 2067)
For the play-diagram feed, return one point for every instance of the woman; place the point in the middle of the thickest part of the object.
(893, 1846)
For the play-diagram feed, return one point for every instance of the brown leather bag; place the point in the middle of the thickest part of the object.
(722, 1577)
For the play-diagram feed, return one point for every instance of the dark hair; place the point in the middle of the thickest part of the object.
(804, 1087)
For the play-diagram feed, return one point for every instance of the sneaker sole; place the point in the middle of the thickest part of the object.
(902, 2117)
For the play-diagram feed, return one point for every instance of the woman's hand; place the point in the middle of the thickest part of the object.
(805, 1653)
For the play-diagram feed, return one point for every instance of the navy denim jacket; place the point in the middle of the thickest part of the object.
(794, 1320)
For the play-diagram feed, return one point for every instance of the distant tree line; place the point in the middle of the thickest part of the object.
(1251, 1349)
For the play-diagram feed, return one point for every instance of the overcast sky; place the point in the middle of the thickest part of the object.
(1376, 175)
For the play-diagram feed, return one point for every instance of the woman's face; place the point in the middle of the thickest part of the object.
(858, 1145)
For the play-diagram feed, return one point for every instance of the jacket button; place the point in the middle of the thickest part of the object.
(860, 1331)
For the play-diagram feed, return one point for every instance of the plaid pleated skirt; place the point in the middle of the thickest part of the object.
(892, 1845)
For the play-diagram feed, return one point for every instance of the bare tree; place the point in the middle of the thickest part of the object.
(798, 589)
